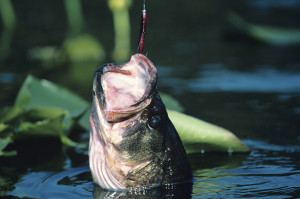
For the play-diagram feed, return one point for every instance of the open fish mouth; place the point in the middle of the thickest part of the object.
(125, 89)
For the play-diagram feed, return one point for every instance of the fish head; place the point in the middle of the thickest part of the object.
(125, 89)
(132, 141)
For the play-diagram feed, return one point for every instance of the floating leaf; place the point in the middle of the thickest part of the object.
(36, 93)
(6, 137)
(38, 114)
(10, 114)
(171, 103)
(84, 120)
(8, 153)
(50, 110)
(6, 133)
(45, 128)
(200, 136)
(271, 35)
(68, 142)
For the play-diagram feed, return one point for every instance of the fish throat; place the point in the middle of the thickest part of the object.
(126, 89)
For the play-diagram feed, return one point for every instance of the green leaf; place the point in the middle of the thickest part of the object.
(83, 48)
(268, 34)
(43, 113)
(200, 136)
(68, 142)
(46, 128)
(6, 137)
(6, 134)
(50, 110)
(4, 142)
(36, 93)
(171, 103)
(8, 153)
(10, 114)
(84, 120)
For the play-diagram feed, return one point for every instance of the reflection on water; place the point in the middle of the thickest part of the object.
(262, 80)
(72, 183)
(217, 78)
(168, 191)
(266, 172)
(7, 77)
(269, 170)
(77, 183)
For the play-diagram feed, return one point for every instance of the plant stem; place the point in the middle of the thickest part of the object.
(74, 15)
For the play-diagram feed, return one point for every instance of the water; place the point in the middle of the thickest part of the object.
(269, 171)
(250, 88)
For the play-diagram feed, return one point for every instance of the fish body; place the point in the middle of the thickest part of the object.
(133, 143)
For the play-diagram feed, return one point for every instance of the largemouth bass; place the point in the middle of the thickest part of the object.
(132, 141)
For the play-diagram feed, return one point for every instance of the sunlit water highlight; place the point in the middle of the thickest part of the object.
(220, 79)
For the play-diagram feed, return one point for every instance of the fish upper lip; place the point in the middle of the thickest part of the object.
(121, 113)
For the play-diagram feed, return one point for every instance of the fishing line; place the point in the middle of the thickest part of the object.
(142, 29)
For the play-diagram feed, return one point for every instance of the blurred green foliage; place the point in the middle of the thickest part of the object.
(42, 110)
(82, 48)
(74, 16)
(120, 11)
(268, 34)
(8, 16)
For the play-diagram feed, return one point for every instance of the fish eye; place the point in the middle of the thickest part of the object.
(154, 122)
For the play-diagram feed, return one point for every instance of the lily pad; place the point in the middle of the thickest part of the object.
(84, 120)
(200, 136)
(10, 114)
(6, 137)
(36, 93)
(38, 114)
(171, 103)
(49, 110)
(6, 133)
(49, 127)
